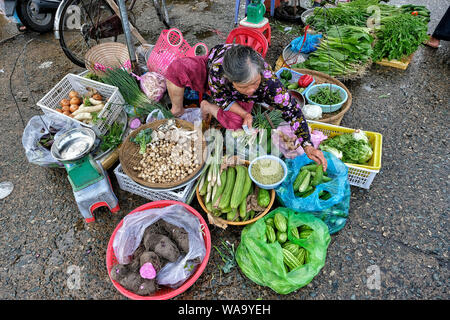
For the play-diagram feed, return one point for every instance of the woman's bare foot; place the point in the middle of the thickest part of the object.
(177, 111)
(433, 42)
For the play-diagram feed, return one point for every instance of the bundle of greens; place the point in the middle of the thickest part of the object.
(260, 120)
(130, 91)
(354, 13)
(399, 36)
(349, 147)
(345, 50)
(113, 137)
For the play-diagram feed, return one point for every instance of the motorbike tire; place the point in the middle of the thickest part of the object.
(32, 21)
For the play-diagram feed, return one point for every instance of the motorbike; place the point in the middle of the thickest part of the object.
(36, 15)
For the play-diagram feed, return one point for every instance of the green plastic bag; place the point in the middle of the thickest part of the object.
(262, 262)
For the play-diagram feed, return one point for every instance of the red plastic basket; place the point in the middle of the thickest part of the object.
(163, 293)
(170, 46)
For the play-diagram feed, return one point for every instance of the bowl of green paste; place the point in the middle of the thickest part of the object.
(267, 172)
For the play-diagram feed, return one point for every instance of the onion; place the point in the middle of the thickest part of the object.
(73, 94)
(65, 102)
(75, 100)
(73, 107)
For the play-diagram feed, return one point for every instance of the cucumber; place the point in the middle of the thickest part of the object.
(310, 167)
(299, 179)
(318, 177)
(305, 183)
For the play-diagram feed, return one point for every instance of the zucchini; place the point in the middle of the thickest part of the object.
(232, 215)
(243, 209)
(238, 186)
(226, 196)
(247, 186)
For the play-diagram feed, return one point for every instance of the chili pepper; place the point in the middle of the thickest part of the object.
(414, 13)
(305, 80)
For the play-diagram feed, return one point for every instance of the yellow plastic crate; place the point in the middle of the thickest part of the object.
(358, 175)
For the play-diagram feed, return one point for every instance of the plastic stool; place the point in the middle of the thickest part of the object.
(263, 27)
(96, 195)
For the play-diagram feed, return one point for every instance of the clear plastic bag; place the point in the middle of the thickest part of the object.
(285, 129)
(193, 115)
(129, 236)
(36, 129)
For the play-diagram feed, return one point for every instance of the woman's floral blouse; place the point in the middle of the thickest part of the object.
(271, 91)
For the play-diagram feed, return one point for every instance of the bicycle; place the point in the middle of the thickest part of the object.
(82, 24)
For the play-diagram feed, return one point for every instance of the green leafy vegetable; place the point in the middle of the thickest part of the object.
(143, 138)
(399, 36)
(113, 137)
(354, 148)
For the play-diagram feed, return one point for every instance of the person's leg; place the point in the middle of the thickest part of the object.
(442, 31)
(185, 72)
(176, 95)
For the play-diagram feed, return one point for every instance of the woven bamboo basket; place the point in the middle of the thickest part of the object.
(130, 157)
(109, 54)
(219, 221)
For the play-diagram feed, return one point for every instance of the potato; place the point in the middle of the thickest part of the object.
(147, 287)
(179, 235)
(59, 110)
(119, 272)
(67, 113)
(162, 246)
(65, 108)
(167, 249)
(150, 256)
(131, 281)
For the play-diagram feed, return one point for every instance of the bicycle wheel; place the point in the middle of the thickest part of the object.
(82, 26)
(161, 11)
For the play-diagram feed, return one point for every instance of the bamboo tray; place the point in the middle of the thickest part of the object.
(398, 64)
(222, 222)
(129, 156)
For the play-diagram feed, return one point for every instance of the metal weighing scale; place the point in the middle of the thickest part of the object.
(90, 182)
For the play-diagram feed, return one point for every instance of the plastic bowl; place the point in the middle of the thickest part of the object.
(268, 186)
(163, 293)
(327, 108)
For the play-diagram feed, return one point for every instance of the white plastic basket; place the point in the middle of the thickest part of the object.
(183, 194)
(60, 91)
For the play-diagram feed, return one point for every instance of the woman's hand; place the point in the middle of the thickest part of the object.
(316, 155)
(248, 120)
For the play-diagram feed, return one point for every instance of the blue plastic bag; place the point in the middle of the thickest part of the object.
(310, 45)
(334, 211)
